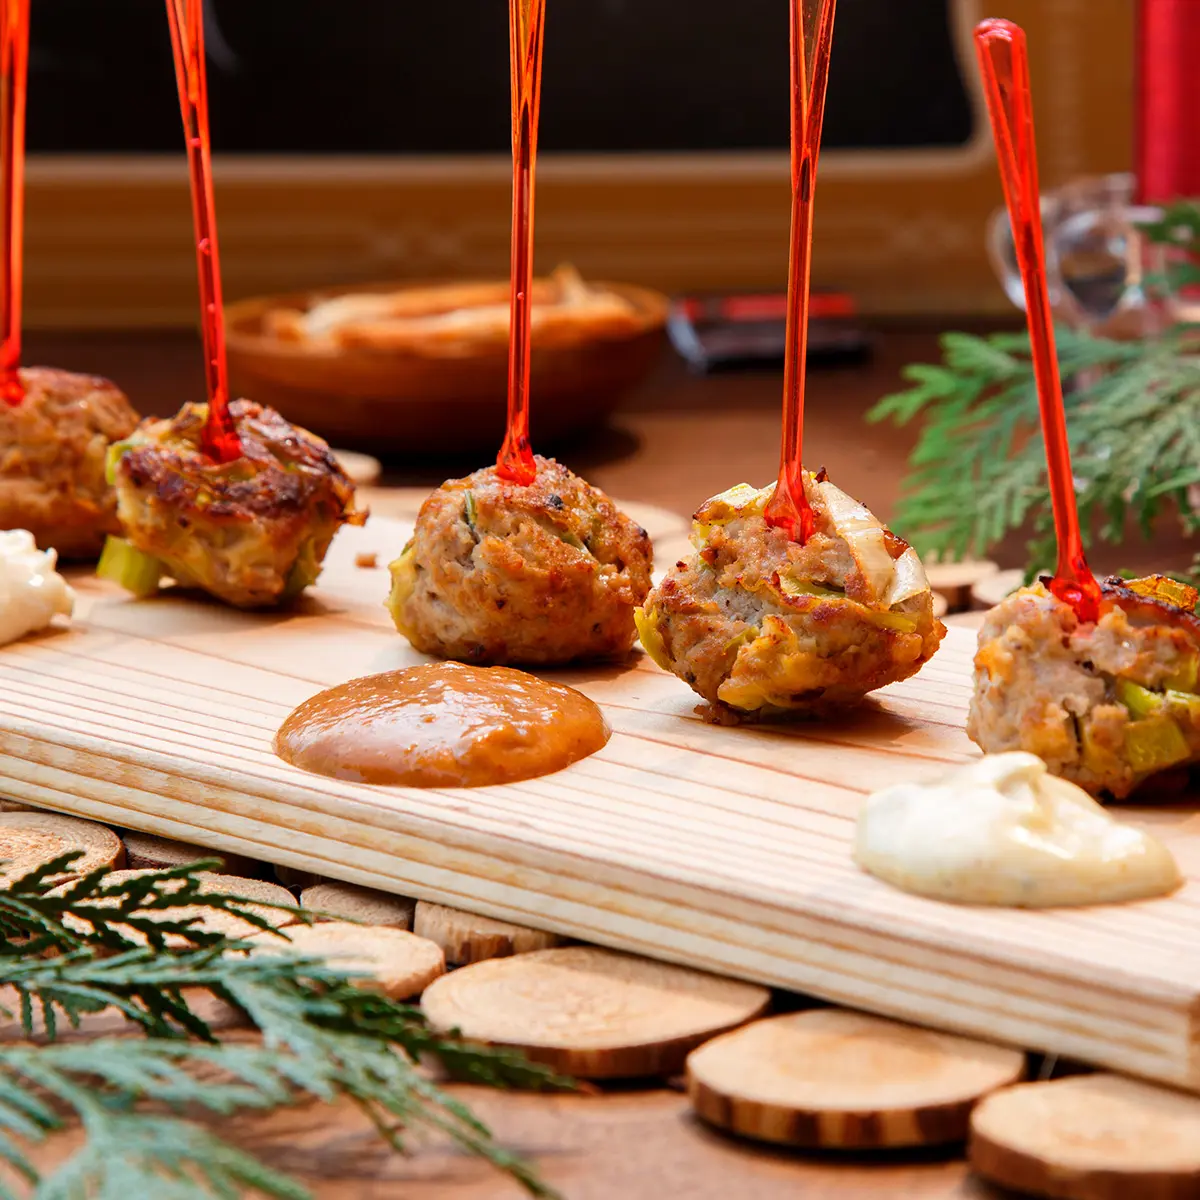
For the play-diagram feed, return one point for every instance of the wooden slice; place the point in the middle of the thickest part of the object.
(144, 850)
(591, 1013)
(990, 591)
(362, 468)
(333, 901)
(941, 606)
(214, 920)
(1090, 1137)
(956, 579)
(467, 938)
(296, 877)
(396, 963)
(844, 1080)
(28, 839)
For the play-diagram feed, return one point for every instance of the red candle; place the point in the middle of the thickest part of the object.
(1167, 130)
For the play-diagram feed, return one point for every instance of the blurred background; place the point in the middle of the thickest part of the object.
(360, 141)
(363, 139)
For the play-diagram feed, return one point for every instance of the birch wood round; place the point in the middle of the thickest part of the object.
(362, 468)
(956, 579)
(260, 898)
(591, 1013)
(28, 839)
(398, 964)
(1089, 1137)
(843, 1080)
(344, 901)
(148, 852)
(990, 590)
(468, 938)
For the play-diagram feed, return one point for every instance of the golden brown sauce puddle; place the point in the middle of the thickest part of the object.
(442, 725)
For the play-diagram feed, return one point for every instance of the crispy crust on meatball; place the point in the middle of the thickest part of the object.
(252, 532)
(500, 573)
(52, 454)
(762, 627)
(1107, 705)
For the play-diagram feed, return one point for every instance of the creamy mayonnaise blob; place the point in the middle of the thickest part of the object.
(1003, 830)
(32, 592)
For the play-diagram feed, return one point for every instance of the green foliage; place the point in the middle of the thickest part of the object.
(979, 469)
(87, 946)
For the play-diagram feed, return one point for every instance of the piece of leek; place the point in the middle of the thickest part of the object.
(470, 512)
(135, 570)
(1155, 744)
(112, 457)
(1139, 700)
(1186, 678)
(646, 621)
(898, 622)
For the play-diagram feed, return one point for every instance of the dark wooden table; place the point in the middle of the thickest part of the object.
(677, 440)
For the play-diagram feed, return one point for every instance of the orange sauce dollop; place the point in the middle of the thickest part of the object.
(442, 725)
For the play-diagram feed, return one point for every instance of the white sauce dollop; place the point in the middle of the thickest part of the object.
(1003, 830)
(32, 592)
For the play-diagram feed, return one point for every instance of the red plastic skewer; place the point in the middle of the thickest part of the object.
(14, 71)
(1004, 62)
(526, 27)
(219, 438)
(811, 38)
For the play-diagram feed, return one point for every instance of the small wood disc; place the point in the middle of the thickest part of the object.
(833, 1078)
(956, 579)
(941, 606)
(347, 902)
(28, 839)
(399, 964)
(1090, 1137)
(467, 938)
(362, 469)
(215, 920)
(591, 1013)
(145, 850)
(989, 591)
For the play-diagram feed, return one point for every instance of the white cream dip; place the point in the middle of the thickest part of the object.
(32, 592)
(1002, 830)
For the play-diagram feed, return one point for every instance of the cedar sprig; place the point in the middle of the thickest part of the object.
(1133, 413)
(67, 952)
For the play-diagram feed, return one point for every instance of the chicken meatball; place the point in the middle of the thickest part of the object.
(497, 572)
(252, 532)
(52, 454)
(763, 627)
(1106, 704)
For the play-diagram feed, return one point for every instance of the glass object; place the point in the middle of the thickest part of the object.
(1100, 268)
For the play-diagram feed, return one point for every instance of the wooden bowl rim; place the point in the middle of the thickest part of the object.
(244, 332)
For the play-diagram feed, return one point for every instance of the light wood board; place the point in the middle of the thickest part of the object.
(726, 849)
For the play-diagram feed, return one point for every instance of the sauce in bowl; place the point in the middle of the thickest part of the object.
(442, 725)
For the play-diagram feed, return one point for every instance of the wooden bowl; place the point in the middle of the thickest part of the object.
(426, 405)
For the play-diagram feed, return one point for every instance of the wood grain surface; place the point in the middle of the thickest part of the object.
(726, 849)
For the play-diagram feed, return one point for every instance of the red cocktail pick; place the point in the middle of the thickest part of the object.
(812, 35)
(14, 70)
(1004, 62)
(526, 27)
(219, 439)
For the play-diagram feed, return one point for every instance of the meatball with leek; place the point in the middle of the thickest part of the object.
(763, 627)
(252, 532)
(501, 573)
(53, 447)
(1107, 704)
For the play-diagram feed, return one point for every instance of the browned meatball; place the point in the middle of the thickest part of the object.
(765, 628)
(500, 573)
(1107, 704)
(52, 453)
(252, 532)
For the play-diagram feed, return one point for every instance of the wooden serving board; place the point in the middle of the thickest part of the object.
(728, 849)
